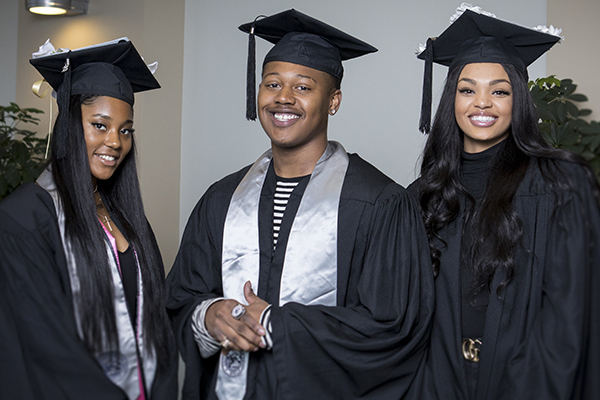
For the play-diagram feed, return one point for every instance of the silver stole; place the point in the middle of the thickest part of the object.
(309, 274)
(121, 368)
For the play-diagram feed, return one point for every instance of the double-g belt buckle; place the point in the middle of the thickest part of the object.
(471, 349)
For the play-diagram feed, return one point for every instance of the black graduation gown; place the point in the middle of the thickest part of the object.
(542, 339)
(41, 354)
(369, 345)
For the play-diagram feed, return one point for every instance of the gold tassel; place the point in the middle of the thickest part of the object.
(36, 88)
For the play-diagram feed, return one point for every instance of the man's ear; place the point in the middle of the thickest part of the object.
(335, 101)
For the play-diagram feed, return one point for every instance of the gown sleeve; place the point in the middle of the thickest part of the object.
(560, 357)
(372, 345)
(369, 346)
(195, 277)
(42, 355)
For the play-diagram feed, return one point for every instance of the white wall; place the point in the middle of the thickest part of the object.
(381, 92)
(578, 56)
(9, 23)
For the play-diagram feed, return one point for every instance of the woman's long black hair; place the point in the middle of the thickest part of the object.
(494, 228)
(94, 300)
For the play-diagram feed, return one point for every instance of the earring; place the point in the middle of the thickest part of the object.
(332, 112)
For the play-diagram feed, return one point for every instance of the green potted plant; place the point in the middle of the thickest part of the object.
(561, 120)
(21, 151)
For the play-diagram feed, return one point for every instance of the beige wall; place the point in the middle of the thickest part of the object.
(578, 57)
(156, 29)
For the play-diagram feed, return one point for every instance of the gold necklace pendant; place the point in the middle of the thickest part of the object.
(107, 221)
(100, 206)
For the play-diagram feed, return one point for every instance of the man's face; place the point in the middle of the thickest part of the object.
(294, 102)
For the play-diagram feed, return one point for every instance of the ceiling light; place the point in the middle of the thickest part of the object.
(57, 7)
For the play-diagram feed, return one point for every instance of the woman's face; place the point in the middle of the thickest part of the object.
(483, 105)
(293, 104)
(107, 126)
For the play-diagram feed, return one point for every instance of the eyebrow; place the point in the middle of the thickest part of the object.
(492, 83)
(297, 76)
(103, 116)
(305, 76)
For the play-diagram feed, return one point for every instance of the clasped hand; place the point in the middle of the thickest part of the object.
(244, 334)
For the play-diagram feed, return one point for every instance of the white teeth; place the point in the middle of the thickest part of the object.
(107, 158)
(483, 118)
(285, 117)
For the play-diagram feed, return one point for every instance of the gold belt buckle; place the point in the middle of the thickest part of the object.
(471, 349)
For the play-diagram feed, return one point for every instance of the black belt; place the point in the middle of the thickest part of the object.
(471, 349)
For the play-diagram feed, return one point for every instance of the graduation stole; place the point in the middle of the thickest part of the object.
(309, 273)
(121, 368)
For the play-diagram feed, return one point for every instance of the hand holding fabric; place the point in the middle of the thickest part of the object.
(243, 334)
(256, 305)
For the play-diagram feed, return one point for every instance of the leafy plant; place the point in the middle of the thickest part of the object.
(561, 119)
(21, 152)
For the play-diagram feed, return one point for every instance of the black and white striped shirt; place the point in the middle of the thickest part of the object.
(283, 191)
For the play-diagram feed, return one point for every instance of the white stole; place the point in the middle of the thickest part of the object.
(309, 273)
(121, 368)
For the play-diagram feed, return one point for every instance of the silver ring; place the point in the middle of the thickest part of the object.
(238, 311)
(225, 343)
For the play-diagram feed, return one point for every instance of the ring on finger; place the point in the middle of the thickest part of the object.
(238, 311)
(225, 343)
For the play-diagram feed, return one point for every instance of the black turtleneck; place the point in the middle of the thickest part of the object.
(475, 172)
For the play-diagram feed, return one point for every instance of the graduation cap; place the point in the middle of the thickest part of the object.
(112, 69)
(299, 39)
(476, 37)
(115, 69)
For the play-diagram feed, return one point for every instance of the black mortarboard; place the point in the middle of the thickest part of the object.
(302, 40)
(113, 69)
(479, 38)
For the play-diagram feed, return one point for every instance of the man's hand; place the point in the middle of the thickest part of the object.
(256, 305)
(243, 334)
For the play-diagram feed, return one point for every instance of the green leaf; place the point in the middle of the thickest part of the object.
(553, 94)
(554, 135)
(13, 177)
(595, 164)
(569, 140)
(566, 82)
(572, 109)
(584, 112)
(545, 114)
(595, 143)
(567, 135)
(577, 123)
(561, 112)
(547, 137)
(538, 95)
(552, 80)
(22, 153)
(591, 129)
(577, 97)
(29, 175)
(569, 89)
(34, 110)
(3, 187)
(588, 155)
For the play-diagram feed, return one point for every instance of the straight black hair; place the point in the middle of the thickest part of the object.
(94, 300)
